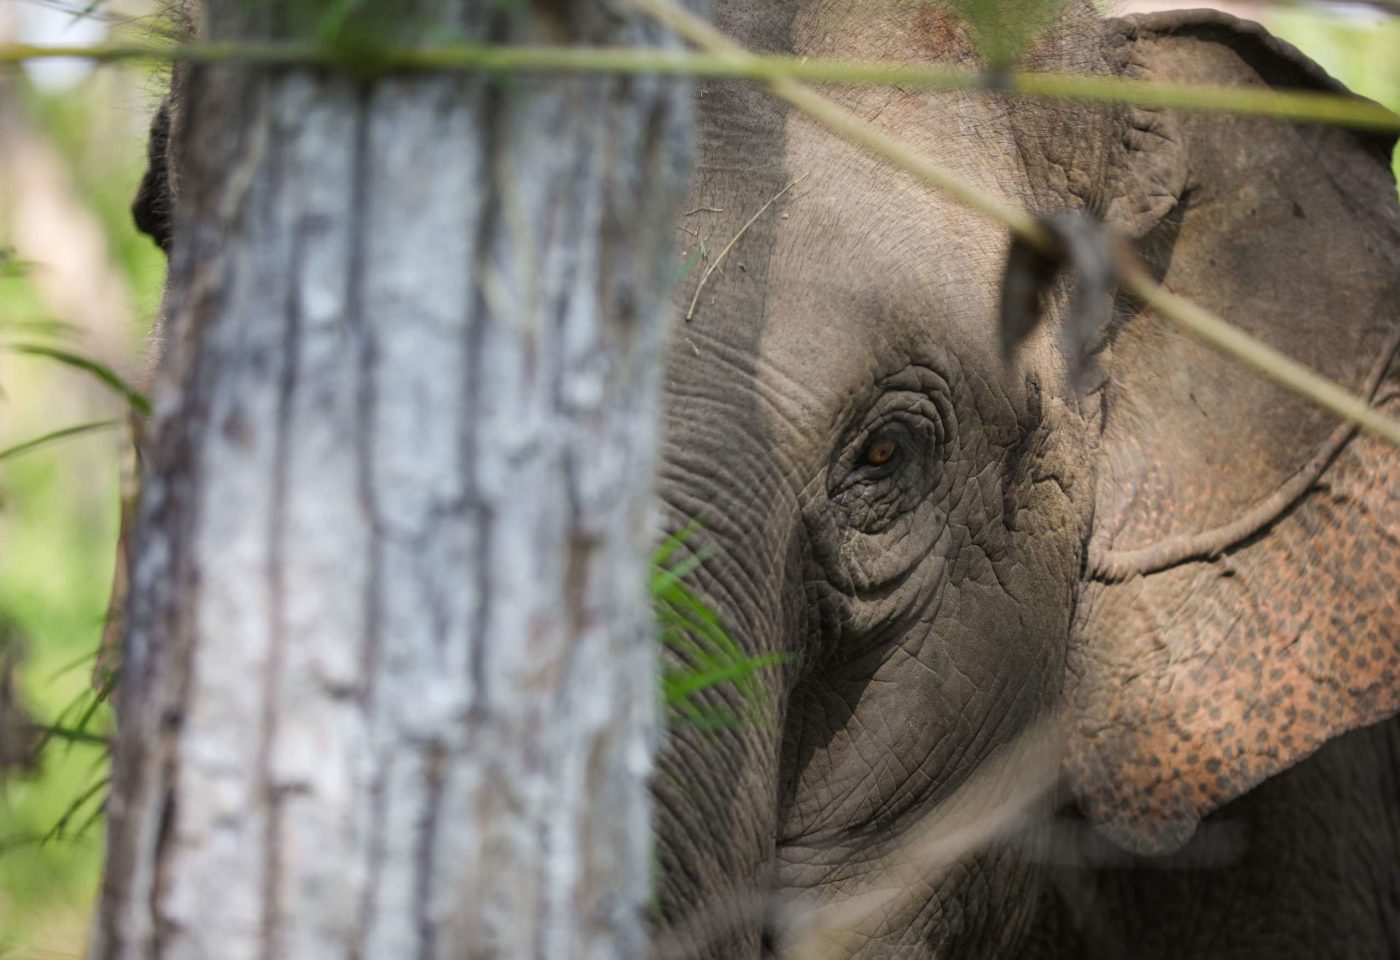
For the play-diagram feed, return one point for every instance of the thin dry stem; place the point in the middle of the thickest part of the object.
(705, 277)
(1000, 797)
(1299, 105)
(1234, 342)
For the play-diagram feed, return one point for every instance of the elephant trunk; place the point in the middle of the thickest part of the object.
(716, 781)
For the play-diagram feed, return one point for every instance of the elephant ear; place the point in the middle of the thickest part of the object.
(1242, 596)
(153, 207)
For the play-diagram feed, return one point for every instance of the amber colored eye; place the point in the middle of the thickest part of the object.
(880, 452)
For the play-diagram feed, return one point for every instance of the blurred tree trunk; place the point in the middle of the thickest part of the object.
(388, 689)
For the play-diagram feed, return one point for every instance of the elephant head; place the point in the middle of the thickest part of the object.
(1192, 566)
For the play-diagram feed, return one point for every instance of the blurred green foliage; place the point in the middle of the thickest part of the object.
(1362, 53)
(1004, 29)
(59, 507)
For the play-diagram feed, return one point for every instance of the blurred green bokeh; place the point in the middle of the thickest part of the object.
(58, 505)
(1363, 54)
(78, 151)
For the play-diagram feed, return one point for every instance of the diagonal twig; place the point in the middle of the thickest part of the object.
(1001, 796)
(705, 277)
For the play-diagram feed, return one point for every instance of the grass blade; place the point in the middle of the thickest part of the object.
(101, 371)
(74, 431)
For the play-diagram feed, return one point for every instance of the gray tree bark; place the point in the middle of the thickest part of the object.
(389, 675)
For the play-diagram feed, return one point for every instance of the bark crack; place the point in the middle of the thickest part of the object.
(268, 787)
(435, 764)
(365, 399)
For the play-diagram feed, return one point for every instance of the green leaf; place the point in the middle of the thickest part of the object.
(41, 328)
(11, 265)
(694, 634)
(684, 268)
(74, 736)
(668, 546)
(60, 827)
(74, 431)
(101, 371)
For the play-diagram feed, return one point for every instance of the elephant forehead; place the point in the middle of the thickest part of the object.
(872, 270)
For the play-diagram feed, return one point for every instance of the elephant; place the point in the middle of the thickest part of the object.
(1194, 567)
(1185, 572)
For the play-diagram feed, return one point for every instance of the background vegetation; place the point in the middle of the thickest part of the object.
(70, 154)
(81, 279)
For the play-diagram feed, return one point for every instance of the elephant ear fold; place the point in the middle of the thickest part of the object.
(1241, 603)
(153, 207)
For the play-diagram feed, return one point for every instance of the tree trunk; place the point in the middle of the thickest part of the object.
(389, 683)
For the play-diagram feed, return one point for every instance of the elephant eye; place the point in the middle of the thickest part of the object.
(887, 461)
(881, 456)
(880, 452)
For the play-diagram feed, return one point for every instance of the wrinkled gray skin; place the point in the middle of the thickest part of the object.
(1018, 554)
(931, 607)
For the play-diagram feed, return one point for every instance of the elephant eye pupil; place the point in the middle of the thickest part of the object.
(880, 452)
